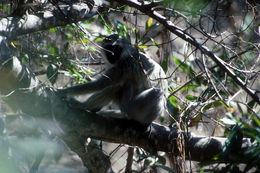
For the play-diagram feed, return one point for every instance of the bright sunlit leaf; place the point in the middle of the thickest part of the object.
(149, 23)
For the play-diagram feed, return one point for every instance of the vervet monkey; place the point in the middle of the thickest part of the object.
(132, 81)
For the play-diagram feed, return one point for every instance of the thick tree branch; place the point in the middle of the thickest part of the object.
(25, 92)
(12, 27)
(145, 7)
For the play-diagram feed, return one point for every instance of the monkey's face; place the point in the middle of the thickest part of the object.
(113, 53)
(113, 46)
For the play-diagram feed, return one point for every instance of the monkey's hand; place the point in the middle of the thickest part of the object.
(72, 102)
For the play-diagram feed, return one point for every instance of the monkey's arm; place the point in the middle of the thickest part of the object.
(109, 78)
(127, 96)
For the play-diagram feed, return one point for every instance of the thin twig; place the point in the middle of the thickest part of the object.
(129, 160)
(211, 68)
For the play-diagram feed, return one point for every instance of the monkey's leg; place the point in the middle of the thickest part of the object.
(146, 106)
(112, 113)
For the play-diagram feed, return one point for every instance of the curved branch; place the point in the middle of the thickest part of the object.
(12, 27)
(145, 8)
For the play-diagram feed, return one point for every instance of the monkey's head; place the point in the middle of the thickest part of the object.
(117, 48)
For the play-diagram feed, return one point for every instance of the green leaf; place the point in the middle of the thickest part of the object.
(121, 29)
(153, 27)
(233, 143)
(173, 107)
(185, 66)
(191, 97)
(148, 24)
(52, 73)
(53, 30)
(142, 46)
(181, 64)
(257, 121)
(165, 63)
(190, 87)
(212, 104)
(154, 42)
(4, 98)
(161, 160)
(25, 58)
(53, 50)
(98, 39)
(173, 101)
(77, 75)
(69, 35)
(89, 21)
(137, 34)
(92, 49)
(145, 36)
(5, 8)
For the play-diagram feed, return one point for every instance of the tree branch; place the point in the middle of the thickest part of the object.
(12, 27)
(33, 98)
(145, 8)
